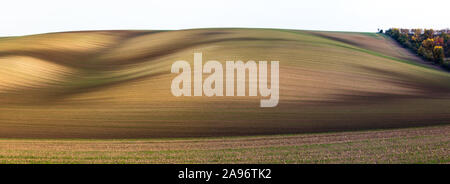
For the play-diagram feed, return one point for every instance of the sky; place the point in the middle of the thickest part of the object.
(21, 17)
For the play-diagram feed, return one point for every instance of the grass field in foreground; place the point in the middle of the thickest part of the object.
(410, 145)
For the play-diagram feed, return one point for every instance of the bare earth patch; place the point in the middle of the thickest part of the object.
(116, 85)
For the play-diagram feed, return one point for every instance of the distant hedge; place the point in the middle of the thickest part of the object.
(428, 43)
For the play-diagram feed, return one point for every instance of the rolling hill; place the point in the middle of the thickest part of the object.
(116, 84)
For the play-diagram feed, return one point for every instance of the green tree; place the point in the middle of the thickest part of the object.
(428, 33)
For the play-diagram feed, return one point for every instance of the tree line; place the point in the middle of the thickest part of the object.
(430, 44)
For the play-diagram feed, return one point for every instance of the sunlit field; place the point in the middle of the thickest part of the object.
(412, 145)
(104, 97)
